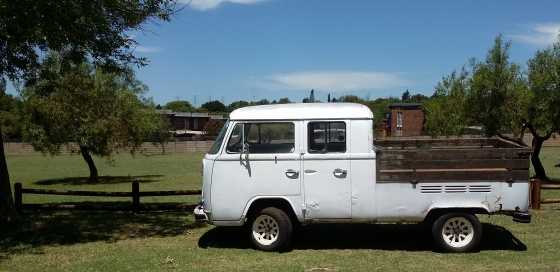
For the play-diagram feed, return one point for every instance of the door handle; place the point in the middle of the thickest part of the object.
(340, 173)
(291, 173)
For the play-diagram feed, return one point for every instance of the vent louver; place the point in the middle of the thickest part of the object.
(455, 188)
(430, 189)
(480, 188)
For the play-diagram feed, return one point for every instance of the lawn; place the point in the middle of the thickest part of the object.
(148, 241)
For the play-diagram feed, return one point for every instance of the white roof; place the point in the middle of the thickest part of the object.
(299, 111)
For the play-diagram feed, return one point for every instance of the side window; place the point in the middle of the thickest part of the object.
(234, 144)
(326, 137)
(263, 138)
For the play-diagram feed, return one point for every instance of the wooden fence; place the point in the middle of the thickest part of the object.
(134, 194)
(536, 187)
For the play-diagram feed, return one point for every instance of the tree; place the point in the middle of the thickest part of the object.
(405, 96)
(99, 30)
(351, 99)
(214, 106)
(10, 108)
(237, 104)
(284, 100)
(179, 106)
(445, 112)
(101, 112)
(543, 116)
(496, 90)
(262, 102)
(380, 108)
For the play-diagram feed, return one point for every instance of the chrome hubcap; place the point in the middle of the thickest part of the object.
(265, 230)
(457, 232)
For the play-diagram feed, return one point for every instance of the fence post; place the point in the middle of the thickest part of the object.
(135, 196)
(536, 193)
(18, 196)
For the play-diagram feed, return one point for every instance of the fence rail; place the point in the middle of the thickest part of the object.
(536, 187)
(134, 194)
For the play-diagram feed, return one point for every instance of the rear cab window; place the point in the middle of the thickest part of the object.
(326, 137)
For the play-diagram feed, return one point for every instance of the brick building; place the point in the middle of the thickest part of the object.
(405, 119)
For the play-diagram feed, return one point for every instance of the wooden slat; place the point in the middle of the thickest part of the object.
(110, 206)
(108, 194)
(452, 175)
(171, 193)
(550, 201)
(453, 154)
(431, 143)
(550, 187)
(453, 164)
(75, 193)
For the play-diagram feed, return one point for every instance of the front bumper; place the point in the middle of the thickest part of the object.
(199, 214)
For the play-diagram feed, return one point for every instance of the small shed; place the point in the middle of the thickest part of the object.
(405, 119)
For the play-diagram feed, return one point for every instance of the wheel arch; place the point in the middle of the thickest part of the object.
(259, 203)
(436, 211)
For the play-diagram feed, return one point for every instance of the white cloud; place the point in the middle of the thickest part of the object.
(147, 49)
(333, 81)
(539, 34)
(211, 4)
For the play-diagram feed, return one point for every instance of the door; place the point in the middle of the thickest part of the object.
(259, 159)
(326, 171)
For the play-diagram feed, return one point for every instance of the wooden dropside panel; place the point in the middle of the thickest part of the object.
(451, 160)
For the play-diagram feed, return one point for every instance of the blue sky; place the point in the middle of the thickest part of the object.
(253, 49)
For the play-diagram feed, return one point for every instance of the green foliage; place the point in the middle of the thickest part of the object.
(446, 112)
(351, 99)
(380, 108)
(237, 104)
(544, 85)
(214, 106)
(261, 102)
(80, 104)
(284, 100)
(494, 89)
(179, 106)
(98, 30)
(10, 108)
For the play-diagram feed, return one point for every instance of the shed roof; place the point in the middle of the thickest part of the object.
(406, 105)
(301, 111)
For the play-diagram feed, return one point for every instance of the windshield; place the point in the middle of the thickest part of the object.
(218, 142)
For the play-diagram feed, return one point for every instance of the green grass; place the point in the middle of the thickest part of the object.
(155, 172)
(154, 241)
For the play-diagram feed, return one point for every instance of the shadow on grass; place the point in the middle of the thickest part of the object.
(409, 237)
(101, 180)
(47, 228)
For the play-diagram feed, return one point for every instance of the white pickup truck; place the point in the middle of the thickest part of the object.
(274, 167)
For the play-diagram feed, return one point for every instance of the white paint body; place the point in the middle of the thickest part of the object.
(231, 185)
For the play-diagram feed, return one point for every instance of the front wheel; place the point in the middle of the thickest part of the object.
(271, 229)
(457, 232)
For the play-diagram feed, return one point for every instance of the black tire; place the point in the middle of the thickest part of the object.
(457, 237)
(280, 221)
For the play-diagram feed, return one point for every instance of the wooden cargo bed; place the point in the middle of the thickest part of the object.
(453, 159)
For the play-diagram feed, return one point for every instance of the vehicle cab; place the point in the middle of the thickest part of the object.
(296, 155)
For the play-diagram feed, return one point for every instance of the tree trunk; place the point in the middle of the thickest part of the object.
(538, 141)
(536, 161)
(7, 208)
(93, 175)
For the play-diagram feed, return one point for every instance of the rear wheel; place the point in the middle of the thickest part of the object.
(271, 229)
(457, 232)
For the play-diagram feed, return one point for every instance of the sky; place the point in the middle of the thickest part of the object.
(232, 50)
